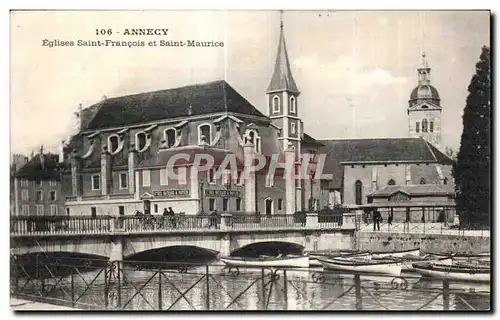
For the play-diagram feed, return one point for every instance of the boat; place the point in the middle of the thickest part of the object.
(362, 265)
(482, 256)
(407, 261)
(314, 262)
(453, 272)
(399, 253)
(266, 261)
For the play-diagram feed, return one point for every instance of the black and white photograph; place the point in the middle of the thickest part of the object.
(250, 160)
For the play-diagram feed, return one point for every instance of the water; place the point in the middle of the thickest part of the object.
(172, 290)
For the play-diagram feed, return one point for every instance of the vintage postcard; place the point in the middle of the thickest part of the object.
(250, 160)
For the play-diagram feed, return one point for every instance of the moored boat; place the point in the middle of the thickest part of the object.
(398, 253)
(481, 256)
(453, 272)
(295, 262)
(362, 265)
(408, 261)
(314, 262)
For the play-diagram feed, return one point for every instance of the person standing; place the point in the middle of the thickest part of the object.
(377, 217)
(390, 218)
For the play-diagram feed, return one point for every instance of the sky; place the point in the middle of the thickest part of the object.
(355, 69)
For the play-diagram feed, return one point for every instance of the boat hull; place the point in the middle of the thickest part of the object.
(314, 262)
(392, 268)
(453, 273)
(300, 262)
(396, 254)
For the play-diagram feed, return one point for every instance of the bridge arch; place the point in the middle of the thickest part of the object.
(175, 253)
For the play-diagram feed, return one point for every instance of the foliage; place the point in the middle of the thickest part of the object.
(472, 170)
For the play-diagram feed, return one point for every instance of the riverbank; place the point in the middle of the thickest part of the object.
(26, 305)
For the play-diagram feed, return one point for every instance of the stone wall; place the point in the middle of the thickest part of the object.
(385, 241)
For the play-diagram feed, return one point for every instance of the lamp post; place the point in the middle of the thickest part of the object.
(201, 198)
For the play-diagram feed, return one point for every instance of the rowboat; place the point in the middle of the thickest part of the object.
(399, 253)
(362, 265)
(314, 262)
(453, 272)
(408, 261)
(260, 262)
(482, 256)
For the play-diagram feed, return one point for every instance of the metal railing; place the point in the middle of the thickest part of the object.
(39, 225)
(141, 285)
(423, 228)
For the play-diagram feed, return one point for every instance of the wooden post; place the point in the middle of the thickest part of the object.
(359, 299)
(446, 294)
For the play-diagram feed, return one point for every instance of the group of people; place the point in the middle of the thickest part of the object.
(171, 220)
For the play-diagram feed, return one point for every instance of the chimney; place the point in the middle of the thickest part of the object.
(42, 157)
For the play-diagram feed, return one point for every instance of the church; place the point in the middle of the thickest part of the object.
(117, 163)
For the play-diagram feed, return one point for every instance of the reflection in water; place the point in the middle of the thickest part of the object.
(305, 290)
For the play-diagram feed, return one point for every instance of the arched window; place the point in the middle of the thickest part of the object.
(276, 104)
(252, 136)
(391, 182)
(170, 137)
(423, 181)
(140, 141)
(424, 125)
(293, 106)
(205, 133)
(445, 181)
(358, 188)
(113, 143)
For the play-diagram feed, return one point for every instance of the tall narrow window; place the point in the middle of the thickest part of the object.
(24, 195)
(52, 195)
(146, 178)
(170, 137)
(276, 104)
(417, 127)
(445, 181)
(93, 211)
(358, 186)
(238, 204)
(424, 125)
(270, 180)
(225, 204)
(26, 209)
(53, 209)
(431, 126)
(156, 207)
(96, 182)
(211, 204)
(293, 129)
(182, 175)
(163, 177)
(113, 143)
(140, 141)
(123, 181)
(39, 196)
(293, 106)
(52, 183)
(38, 183)
(391, 182)
(280, 204)
(211, 176)
(205, 133)
(39, 210)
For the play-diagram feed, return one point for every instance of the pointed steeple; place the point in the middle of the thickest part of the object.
(282, 79)
(424, 72)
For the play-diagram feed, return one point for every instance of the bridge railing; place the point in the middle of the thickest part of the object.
(329, 221)
(165, 223)
(252, 222)
(40, 225)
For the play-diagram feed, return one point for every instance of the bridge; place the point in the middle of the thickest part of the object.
(122, 237)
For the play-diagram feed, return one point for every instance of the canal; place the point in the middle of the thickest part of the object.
(153, 286)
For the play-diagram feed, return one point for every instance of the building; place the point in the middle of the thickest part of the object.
(371, 170)
(118, 161)
(37, 188)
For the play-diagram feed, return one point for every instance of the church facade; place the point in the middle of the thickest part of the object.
(120, 161)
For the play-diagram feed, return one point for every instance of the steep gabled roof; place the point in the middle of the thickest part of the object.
(41, 170)
(307, 139)
(198, 99)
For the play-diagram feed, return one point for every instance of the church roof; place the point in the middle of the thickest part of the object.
(282, 79)
(206, 98)
(424, 91)
(307, 139)
(40, 167)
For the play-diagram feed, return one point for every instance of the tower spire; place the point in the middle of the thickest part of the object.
(282, 79)
(424, 72)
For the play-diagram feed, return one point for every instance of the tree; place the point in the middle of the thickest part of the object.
(450, 152)
(472, 170)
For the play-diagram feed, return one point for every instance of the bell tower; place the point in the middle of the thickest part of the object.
(282, 98)
(424, 110)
